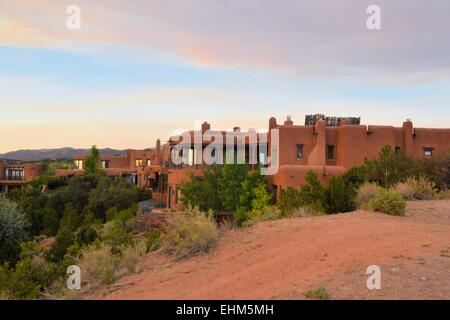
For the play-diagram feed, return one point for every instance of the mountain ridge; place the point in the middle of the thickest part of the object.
(53, 154)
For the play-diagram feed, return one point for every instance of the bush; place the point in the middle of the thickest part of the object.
(404, 189)
(424, 189)
(388, 202)
(416, 188)
(264, 214)
(321, 294)
(30, 276)
(189, 233)
(366, 192)
(443, 195)
(312, 193)
(86, 235)
(119, 234)
(98, 264)
(306, 211)
(289, 201)
(339, 196)
(131, 256)
(153, 240)
(13, 225)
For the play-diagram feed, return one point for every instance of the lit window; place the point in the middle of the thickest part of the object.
(299, 151)
(105, 164)
(330, 152)
(148, 163)
(79, 164)
(427, 152)
(139, 162)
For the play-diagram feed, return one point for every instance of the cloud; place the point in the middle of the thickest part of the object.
(298, 35)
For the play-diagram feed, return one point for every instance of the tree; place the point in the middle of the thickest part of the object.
(339, 196)
(312, 193)
(261, 198)
(92, 163)
(13, 225)
(249, 187)
(289, 200)
(205, 193)
(231, 185)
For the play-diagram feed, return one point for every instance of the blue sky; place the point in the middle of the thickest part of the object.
(133, 74)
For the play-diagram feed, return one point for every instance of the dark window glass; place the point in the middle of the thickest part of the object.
(299, 151)
(330, 152)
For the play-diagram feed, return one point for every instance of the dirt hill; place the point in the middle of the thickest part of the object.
(284, 259)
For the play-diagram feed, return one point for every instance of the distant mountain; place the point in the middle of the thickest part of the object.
(52, 154)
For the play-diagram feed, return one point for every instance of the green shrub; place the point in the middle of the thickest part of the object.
(30, 276)
(366, 192)
(339, 196)
(388, 202)
(312, 193)
(86, 235)
(119, 234)
(289, 200)
(189, 233)
(153, 240)
(13, 230)
(320, 293)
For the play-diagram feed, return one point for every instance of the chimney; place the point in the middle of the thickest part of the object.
(237, 129)
(205, 127)
(408, 130)
(272, 123)
(288, 121)
(158, 151)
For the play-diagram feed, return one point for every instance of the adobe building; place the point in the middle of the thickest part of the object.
(14, 175)
(177, 174)
(141, 167)
(330, 148)
(327, 145)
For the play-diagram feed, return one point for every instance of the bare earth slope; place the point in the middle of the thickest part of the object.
(285, 258)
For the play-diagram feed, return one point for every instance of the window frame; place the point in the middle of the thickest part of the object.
(428, 149)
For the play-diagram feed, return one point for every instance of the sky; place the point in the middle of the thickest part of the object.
(138, 70)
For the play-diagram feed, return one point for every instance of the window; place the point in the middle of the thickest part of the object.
(299, 151)
(149, 163)
(427, 152)
(397, 150)
(139, 162)
(14, 174)
(79, 164)
(330, 152)
(105, 164)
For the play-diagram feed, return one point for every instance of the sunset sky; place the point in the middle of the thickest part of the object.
(138, 70)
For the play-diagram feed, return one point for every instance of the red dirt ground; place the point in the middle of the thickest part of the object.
(285, 258)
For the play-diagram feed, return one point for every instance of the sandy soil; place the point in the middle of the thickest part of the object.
(285, 258)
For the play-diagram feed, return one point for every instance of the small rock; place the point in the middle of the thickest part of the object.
(395, 269)
(424, 278)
